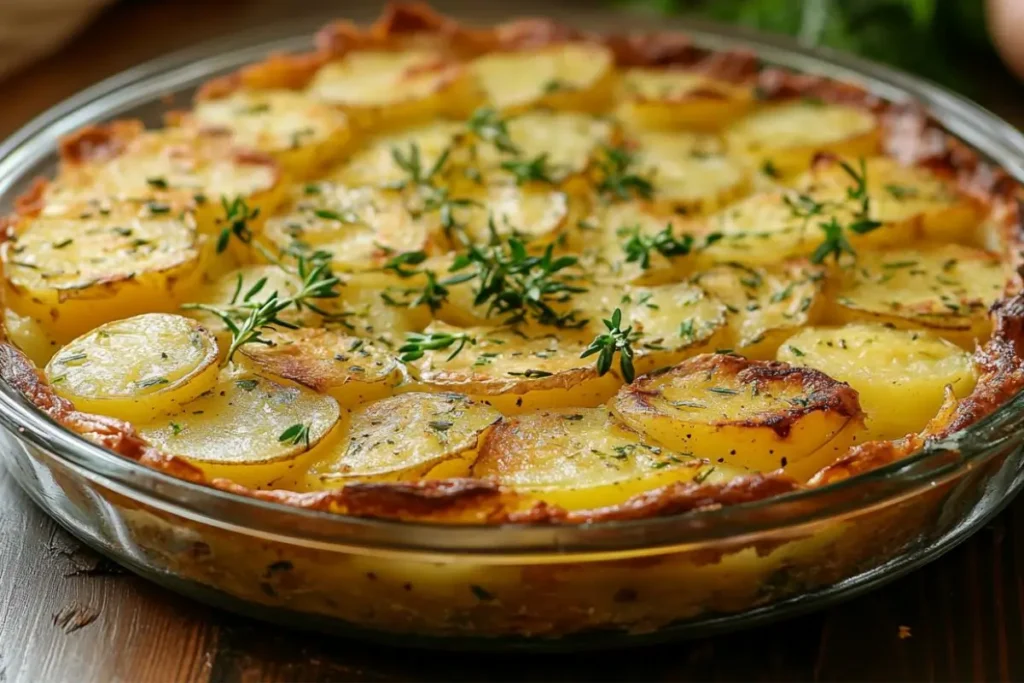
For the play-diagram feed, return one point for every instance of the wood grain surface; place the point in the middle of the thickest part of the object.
(68, 615)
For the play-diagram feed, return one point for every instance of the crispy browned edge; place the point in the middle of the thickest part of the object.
(823, 392)
(910, 135)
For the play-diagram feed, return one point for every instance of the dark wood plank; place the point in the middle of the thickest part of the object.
(68, 615)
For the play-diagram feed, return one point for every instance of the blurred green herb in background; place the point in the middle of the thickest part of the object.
(938, 39)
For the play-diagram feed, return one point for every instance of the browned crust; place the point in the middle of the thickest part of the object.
(823, 393)
(909, 135)
(100, 142)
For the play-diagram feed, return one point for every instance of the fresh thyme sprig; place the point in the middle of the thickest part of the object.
(237, 215)
(530, 170)
(412, 163)
(513, 282)
(639, 246)
(835, 242)
(246, 317)
(295, 435)
(487, 124)
(417, 344)
(617, 180)
(615, 340)
(434, 293)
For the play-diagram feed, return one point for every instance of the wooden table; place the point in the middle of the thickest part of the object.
(68, 615)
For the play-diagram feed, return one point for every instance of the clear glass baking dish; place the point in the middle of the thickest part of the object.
(512, 586)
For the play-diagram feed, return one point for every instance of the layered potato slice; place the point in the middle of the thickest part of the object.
(690, 173)
(251, 429)
(406, 437)
(351, 369)
(513, 370)
(674, 99)
(787, 136)
(536, 215)
(361, 227)
(165, 172)
(387, 89)
(757, 415)
(71, 275)
(669, 322)
(947, 289)
(581, 458)
(914, 200)
(766, 305)
(568, 76)
(376, 161)
(562, 146)
(378, 307)
(28, 335)
(303, 134)
(899, 375)
(137, 368)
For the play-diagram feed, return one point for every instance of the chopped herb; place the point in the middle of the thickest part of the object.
(487, 124)
(900, 192)
(530, 170)
(797, 352)
(769, 169)
(237, 215)
(615, 340)
(638, 247)
(531, 374)
(723, 390)
(152, 382)
(63, 243)
(703, 475)
(617, 181)
(247, 384)
(440, 425)
(175, 428)
(481, 594)
(71, 358)
(295, 435)
(157, 183)
(417, 344)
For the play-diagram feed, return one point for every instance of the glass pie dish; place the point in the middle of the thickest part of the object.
(510, 585)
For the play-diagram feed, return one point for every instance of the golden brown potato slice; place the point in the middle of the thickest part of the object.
(389, 89)
(570, 76)
(947, 289)
(582, 458)
(374, 163)
(758, 415)
(900, 375)
(787, 136)
(673, 99)
(29, 336)
(165, 171)
(511, 370)
(248, 428)
(302, 133)
(669, 322)
(378, 307)
(353, 370)
(71, 275)
(137, 368)
(690, 173)
(911, 200)
(361, 227)
(765, 305)
(407, 437)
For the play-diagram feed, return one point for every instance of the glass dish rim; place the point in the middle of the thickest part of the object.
(979, 128)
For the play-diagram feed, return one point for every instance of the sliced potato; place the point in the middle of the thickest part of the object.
(72, 275)
(375, 164)
(765, 305)
(28, 335)
(672, 99)
(537, 216)
(362, 227)
(670, 322)
(301, 133)
(137, 368)
(788, 135)
(568, 142)
(407, 437)
(572, 76)
(690, 173)
(582, 458)
(353, 370)
(389, 89)
(167, 171)
(758, 415)
(947, 289)
(605, 237)
(248, 428)
(516, 372)
(899, 375)
(911, 200)
(378, 307)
